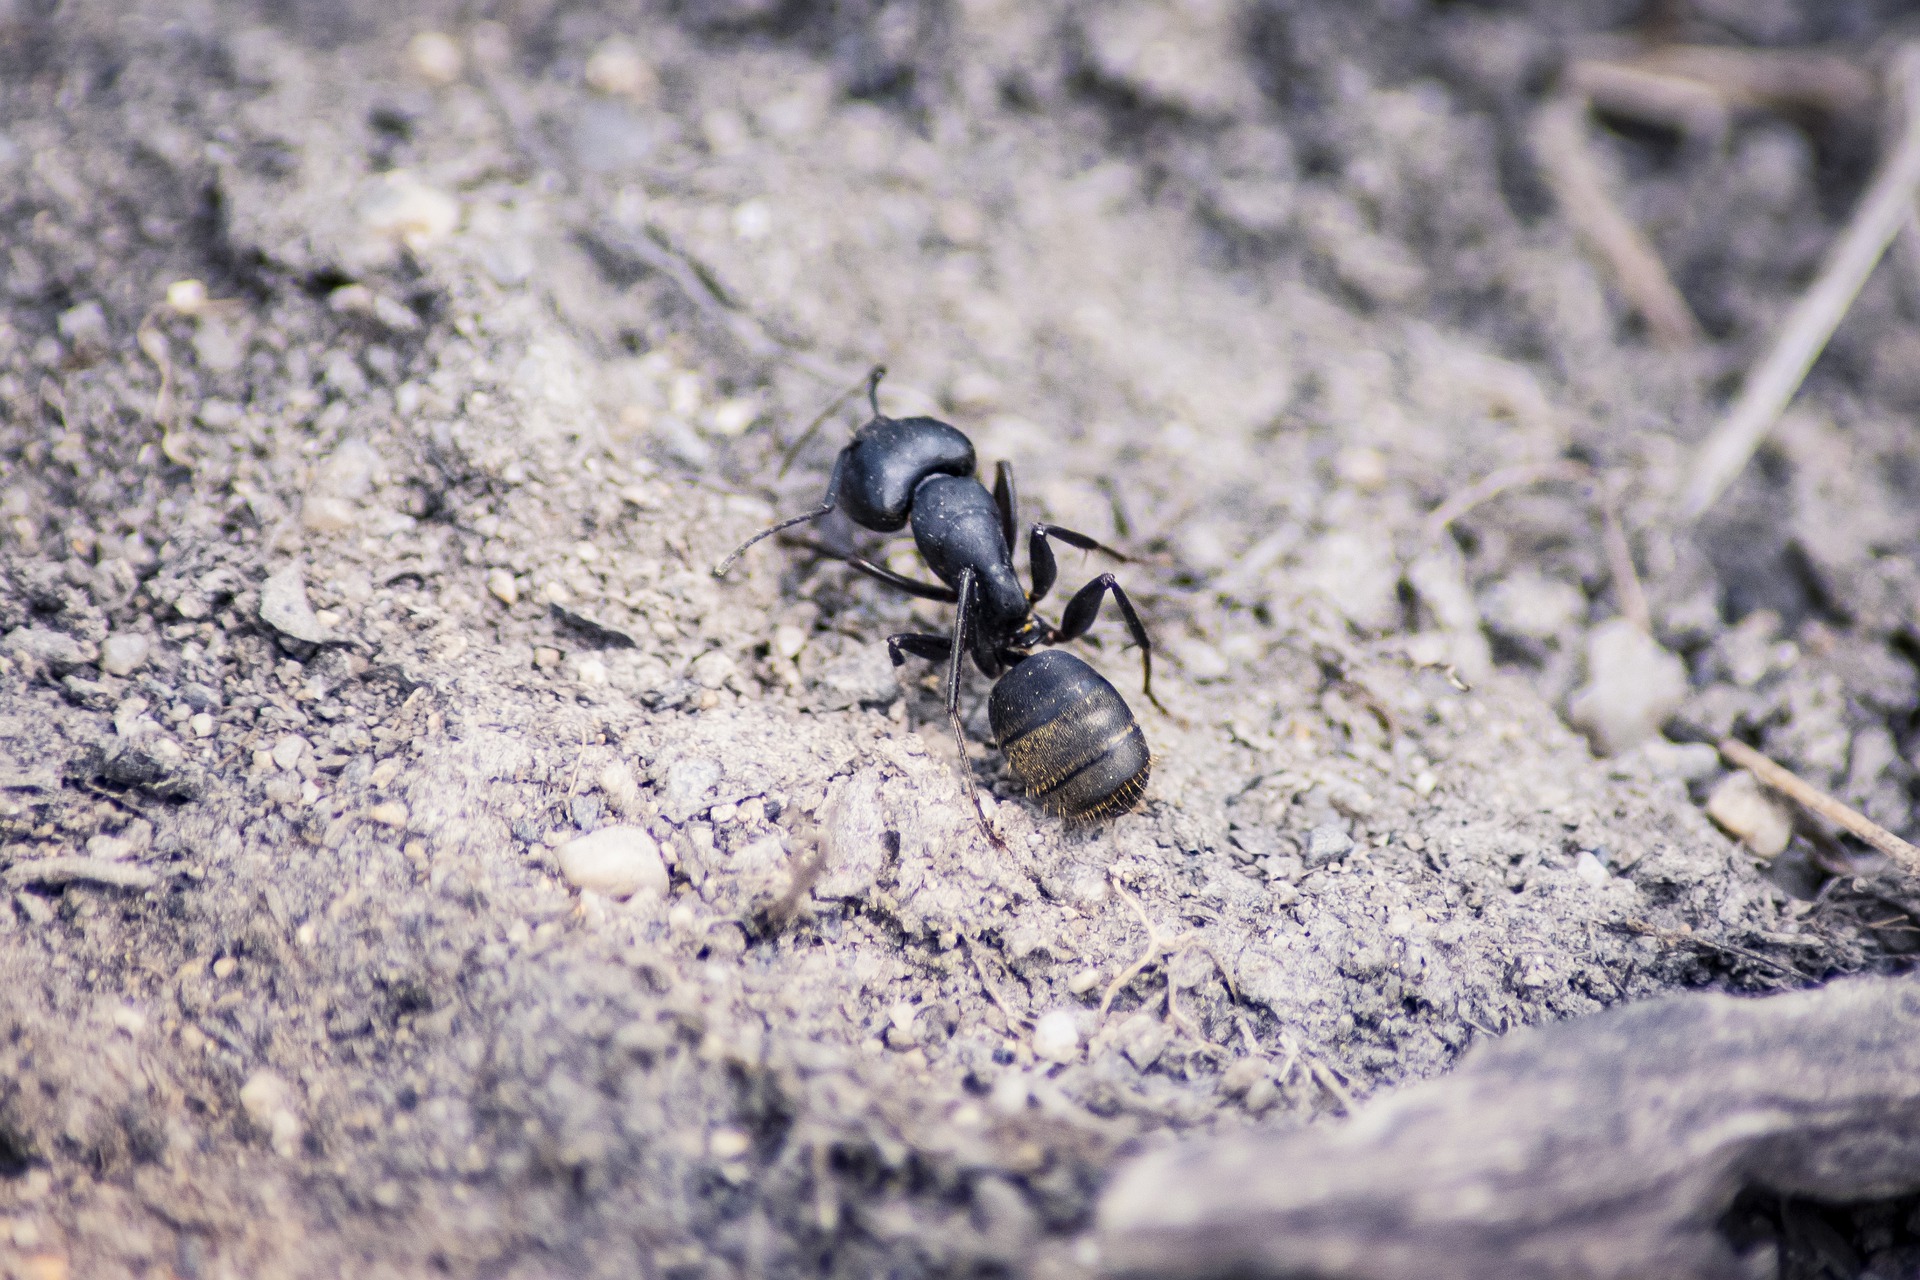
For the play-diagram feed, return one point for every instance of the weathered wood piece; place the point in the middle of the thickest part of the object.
(1603, 1147)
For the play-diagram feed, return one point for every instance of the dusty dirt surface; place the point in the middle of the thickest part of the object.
(343, 590)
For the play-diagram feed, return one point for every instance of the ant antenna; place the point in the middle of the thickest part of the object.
(872, 381)
(725, 566)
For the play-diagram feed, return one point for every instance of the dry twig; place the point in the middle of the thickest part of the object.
(1560, 146)
(1626, 580)
(1495, 483)
(1158, 944)
(993, 993)
(1881, 213)
(1820, 804)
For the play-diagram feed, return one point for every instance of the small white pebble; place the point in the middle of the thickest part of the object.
(728, 1144)
(385, 772)
(1747, 812)
(124, 654)
(1084, 981)
(753, 220)
(287, 751)
(723, 813)
(501, 585)
(390, 814)
(223, 967)
(788, 641)
(109, 848)
(200, 725)
(712, 670)
(731, 417)
(617, 69)
(1056, 1037)
(617, 861)
(434, 57)
(1590, 869)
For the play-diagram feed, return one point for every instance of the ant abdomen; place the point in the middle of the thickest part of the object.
(1070, 736)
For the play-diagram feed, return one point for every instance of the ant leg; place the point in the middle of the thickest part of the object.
(1078, 619)
(956, 665)
(925, 590)
(920, 645)
(1040, 560)
(1005, 498)
(827, 504)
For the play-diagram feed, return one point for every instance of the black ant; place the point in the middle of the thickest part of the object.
(1067, 732)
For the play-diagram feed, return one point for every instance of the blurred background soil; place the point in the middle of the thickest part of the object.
(343, 589)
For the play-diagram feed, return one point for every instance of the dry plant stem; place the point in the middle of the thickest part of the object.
(993, 992)
(1820, 804)
(1626, 581)
(1560, 147)
(1157, 944)
(1781, 78)
(1885, 208)
(1495, 483)
(1654, 97)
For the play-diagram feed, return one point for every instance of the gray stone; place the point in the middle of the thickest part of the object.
(284, 607)
(1327, 843)
(864, 676)
(1633, 687)
(124, 654)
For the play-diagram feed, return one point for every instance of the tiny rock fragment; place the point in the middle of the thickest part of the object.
(863, 677)
(1590, 869)
(1326, 843)
(42, 648)
(1744, 810)
(1633, 686)
(434, 57)
(53, 871)
(124, 653)
(85, 326)
(269, 1102)
(617, 861)
(712, 670)
(617, 69)
(1243, 1075)
(620, 787)
(358, 300)
(200, 725)
(1056, 1036)
(389, 814)
(728, 1144)
(399, 205)
(287, 751)
(1143, 1038)
(1084, 981)
(788, 640)
(284, 607)
(109, 848)
(502, 586)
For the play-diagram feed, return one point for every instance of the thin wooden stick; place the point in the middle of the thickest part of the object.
(1626, 580)
(1495, 483)
(1676, 102)
(1819, 803)
(1882, 211)
(1560, 146)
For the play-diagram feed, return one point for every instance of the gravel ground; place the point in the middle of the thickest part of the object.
(379, 390)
